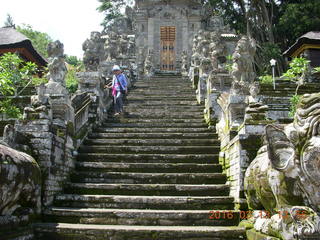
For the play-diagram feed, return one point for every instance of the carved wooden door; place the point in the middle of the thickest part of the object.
(168, 41)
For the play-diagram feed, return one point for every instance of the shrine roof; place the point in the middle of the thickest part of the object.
(13, 41)
(308, 40)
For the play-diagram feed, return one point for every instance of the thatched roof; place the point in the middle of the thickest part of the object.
(310, 38)
(12, 41)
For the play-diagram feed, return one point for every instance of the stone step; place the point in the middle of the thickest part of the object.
(155, 135)
(166, 89)
(169, 111)
(148, 167)
(163, 114)
(150, 149)
(154, 125)
(150, 142)
(150, 102)
(159, 131)
(155, 120)
(138, 107)
(142, 217)
(149, 158)
(148, 178)
(145, 202)
(160, 98)
(68, 231)
(148, 189)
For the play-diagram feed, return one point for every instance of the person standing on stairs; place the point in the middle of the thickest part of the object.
(119, 88)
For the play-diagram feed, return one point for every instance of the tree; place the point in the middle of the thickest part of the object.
(39, 40)
(275, 24)
(111, 9)
(9, 22)
(297, 19)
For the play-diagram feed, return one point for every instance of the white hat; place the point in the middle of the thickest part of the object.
(115, 68)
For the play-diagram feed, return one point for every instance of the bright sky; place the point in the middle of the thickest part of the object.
(69, 21)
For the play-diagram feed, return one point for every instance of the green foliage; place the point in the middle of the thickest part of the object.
(71, 81)
(266, 79)
(265, 53)
(39, 40)
(37, 81)
(229, 63)
(298, 18)
(297, 68)
(316, 70)
(294, 100)
(75, 62)
(7, 107)
(13, 72)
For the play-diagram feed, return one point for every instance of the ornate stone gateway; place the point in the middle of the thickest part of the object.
(165, 30)
(168, 52)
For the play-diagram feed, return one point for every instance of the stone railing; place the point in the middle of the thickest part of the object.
(54, 125)
(81, 110)
(238, 107)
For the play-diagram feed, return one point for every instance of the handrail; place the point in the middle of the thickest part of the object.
(81, 110)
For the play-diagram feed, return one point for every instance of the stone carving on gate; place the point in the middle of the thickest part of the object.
(284, 178)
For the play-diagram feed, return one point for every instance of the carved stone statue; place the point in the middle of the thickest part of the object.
(57, 66)
(20, 183)
(93, 51)
(243, 60)
(131, 46)
(217, 50)
(284, 178)
(184, 63)
(57, 69)
(107, 48)
(148, 64)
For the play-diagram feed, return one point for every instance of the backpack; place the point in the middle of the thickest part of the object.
(121, 88)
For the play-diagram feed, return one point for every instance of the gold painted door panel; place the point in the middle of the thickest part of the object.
(168, 41)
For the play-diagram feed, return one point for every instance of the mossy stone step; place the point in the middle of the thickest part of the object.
(149, 149)
(158, 130)
(153, 120)
(143, 217)
(148, 178)
(154, 125)
(67, 231)
(148, 167)
(145, 202)
(159, 98)
(156, 102)
(154, 135)
(149, 158)
(137, 107)
(149, 189)
(151, 142)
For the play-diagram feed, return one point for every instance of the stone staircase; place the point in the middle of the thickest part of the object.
(152, 173)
